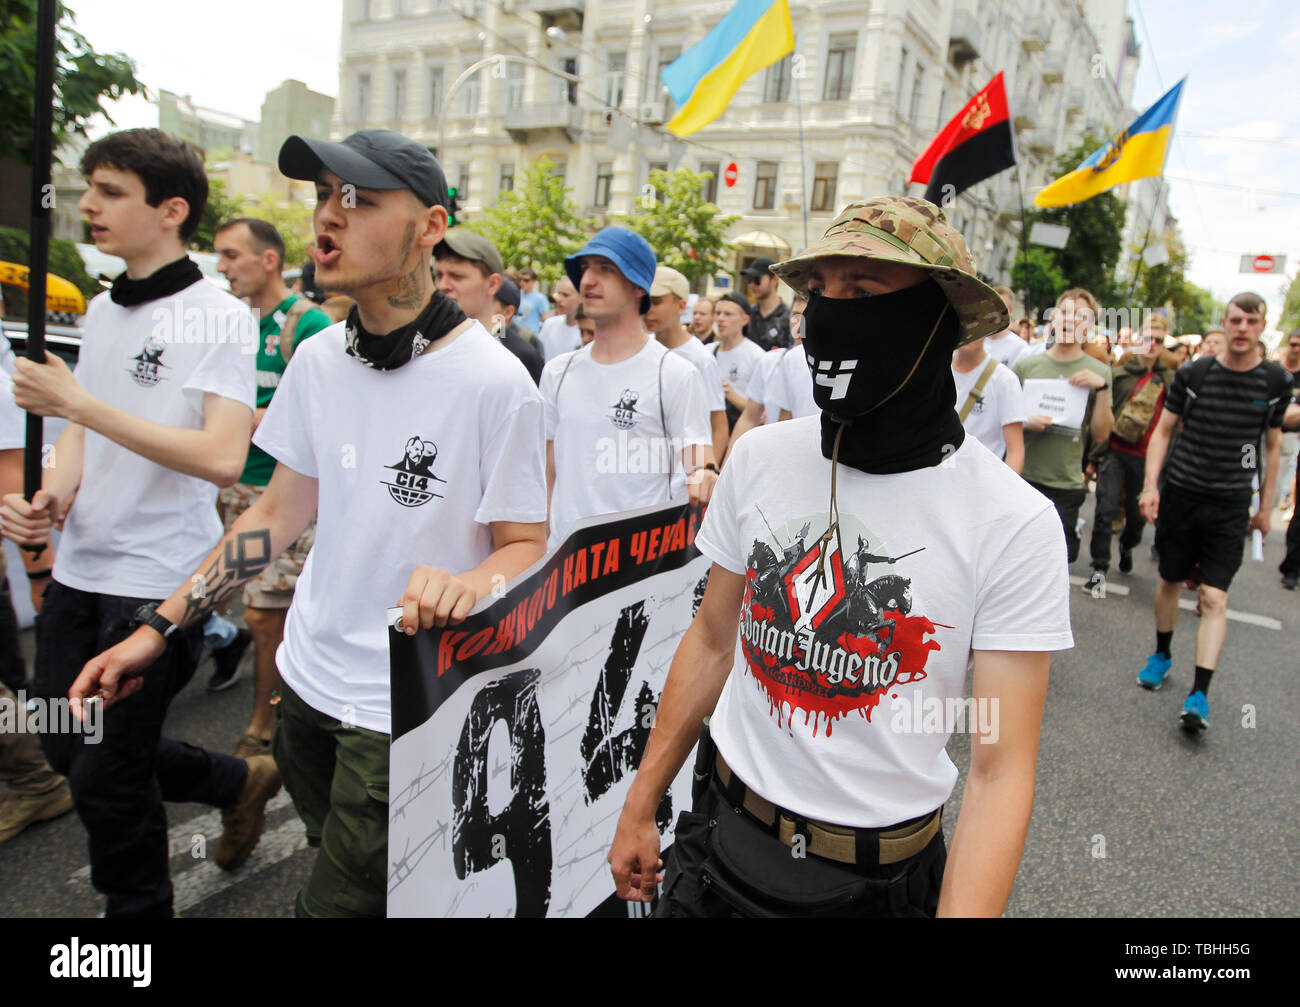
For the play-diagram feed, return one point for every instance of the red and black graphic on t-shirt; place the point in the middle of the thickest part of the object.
(822, 635)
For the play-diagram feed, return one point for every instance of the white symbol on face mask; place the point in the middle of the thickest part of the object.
(835, 375)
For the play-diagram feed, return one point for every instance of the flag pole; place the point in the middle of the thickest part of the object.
(1137, 266)
(38, 257)
(1024, 235)
(803, 158)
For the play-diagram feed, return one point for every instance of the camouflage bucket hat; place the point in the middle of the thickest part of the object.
(911, 232)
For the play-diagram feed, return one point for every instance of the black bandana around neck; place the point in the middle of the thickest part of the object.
(403, 344)
(882, 372)
(170, 279)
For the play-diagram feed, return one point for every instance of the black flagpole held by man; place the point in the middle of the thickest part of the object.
(42, 193)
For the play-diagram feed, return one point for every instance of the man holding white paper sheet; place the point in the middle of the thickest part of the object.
(1058, 384)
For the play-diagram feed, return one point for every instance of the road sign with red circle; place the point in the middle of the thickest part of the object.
(1263, 263)
(731, 174)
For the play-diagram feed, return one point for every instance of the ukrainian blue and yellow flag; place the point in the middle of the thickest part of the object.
(753, 35)
(1137, 152)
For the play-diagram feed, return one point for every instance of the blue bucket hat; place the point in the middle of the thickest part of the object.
(630, 252)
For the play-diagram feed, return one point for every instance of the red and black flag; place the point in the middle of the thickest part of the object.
(976, 144)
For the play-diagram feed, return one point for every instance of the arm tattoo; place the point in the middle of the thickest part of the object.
(243, 557)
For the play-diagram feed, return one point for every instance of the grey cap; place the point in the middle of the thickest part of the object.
(369, 159)
(474, 247)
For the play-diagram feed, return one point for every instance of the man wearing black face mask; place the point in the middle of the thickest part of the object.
(418, 436)
(860, 556)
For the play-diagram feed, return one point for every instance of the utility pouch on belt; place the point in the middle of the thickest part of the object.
(757, 875)
(705, 753)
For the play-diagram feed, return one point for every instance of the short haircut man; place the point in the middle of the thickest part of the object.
(769, 324)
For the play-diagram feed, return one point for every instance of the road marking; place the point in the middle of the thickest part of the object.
(1250, 618)
(207, 879)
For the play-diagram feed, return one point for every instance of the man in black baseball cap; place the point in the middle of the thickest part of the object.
(369, 159)
(769, 320)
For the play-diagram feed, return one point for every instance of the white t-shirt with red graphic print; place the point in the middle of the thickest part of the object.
(851, 659)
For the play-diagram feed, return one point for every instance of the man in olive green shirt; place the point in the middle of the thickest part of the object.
(1054, 454)
(251, 257)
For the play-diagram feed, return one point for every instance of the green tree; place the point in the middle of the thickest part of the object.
(220, 207)
(83, 79)
(1290, 306)
(536, 224)
(1096, 228)
(1196, 309)
(292, 220)
(686, 231)
(1037, 274)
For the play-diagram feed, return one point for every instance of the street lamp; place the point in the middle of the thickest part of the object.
(473, 68)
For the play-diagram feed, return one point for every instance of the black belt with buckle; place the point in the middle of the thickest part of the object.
(832, 842)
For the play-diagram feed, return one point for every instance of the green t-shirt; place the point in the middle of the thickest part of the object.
(270, 365)
(1055, 457)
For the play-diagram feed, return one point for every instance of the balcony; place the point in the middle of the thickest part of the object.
(963, 39)
(566, 14)
(1033, 34)
(1024, 114)
(1053, 68)
(1073, 100)
(524, 124)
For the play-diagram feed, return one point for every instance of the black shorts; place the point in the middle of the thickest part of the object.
(1197, 530)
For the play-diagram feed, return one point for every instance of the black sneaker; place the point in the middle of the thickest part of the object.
(1290, 581)
(1125, 560)
(227, 661)
(1096, 585)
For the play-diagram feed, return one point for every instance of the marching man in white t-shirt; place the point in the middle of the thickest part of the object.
(627, 421)
(737, 355)
(559, 333)
(859, 557)
(1006, 347)
(415, 435)
(990, 402)
(159, 413)
(667, 302)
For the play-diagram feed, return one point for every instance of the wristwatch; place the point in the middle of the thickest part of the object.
(147, 615)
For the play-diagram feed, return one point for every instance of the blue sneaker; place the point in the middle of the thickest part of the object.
(1196, 712)
(1153, 675)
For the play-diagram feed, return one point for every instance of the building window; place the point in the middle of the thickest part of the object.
(667, 54)
(506, 178)
(362, 109)
(615, 73)
(902, 75)
(435, 92)
(765, 185)
(462, 181)
(917, 80)
(825, 175)
(514, 86)
(604, 182)
(399, 96)
(710, 192)
(469, 95)
(560, 170)
(841, 53)
(776, 82)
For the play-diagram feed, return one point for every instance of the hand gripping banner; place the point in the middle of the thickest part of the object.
(517, 733)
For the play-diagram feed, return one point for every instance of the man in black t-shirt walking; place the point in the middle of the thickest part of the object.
(769, 318)
(1202, 517)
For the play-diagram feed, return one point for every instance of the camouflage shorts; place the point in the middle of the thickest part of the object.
(273, 587)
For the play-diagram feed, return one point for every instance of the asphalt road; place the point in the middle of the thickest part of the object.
(1132, 817)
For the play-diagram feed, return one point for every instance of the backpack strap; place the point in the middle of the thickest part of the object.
(1196, 372)
(975, 392)
(663, 422)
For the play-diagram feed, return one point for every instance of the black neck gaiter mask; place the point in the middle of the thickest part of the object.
(404, 344)
(882, 375)
(170, 279)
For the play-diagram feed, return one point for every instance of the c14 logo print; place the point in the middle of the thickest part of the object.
(413, 477)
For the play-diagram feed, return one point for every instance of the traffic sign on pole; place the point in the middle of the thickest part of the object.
(731, 174)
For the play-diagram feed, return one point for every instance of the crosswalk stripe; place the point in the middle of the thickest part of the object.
(1250, 618)
(206, 879)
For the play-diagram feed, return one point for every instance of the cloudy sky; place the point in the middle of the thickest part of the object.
(1231, 178)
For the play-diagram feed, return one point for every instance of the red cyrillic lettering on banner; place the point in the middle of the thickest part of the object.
(652, 550)
(690, 531)
(596, 549)
(445, 646)
(505, 636)
(474, 644)
(521, 621)
(534, 608)
(552, 583)
(637, 546)
(679, 534)
(580, 568)
(611, 558)
(568, 574)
